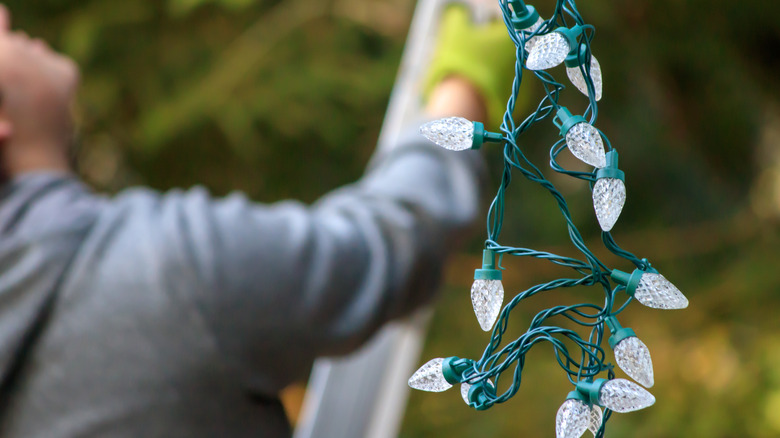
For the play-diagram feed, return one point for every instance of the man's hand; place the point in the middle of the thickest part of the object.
(37, 87)
(456, 96)
(481, 54)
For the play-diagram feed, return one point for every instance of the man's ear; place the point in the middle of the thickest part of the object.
(5, 19)
(6, 130)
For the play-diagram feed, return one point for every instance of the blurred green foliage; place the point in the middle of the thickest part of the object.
(279, 99)
(285, 99)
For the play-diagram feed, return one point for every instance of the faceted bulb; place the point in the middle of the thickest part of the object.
(657, 292)
(430, 377)
(621, 395)
(487, 297)
(531, 42)
(572, 420)
(609, 196)
(548, 51)
(595, 420)
(464, 390)
(633, 358)
(453, 133)
(578, 80)
(585, 143)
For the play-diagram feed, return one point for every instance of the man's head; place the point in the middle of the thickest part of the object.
(37, 87)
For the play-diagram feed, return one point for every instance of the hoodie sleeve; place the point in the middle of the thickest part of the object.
(281, 284)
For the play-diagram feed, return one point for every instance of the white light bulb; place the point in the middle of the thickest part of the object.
(487, 297)
(585, 143)
(621, 395)
(578, 80)
(595, 420)
(609, 197)
(633, 357)
(464, 390)
(572, 420)
(547, 51)
(430, 377)
(657, 292)
(531, 42)
(453, 133)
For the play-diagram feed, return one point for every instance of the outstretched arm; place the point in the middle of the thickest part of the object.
(282, 284)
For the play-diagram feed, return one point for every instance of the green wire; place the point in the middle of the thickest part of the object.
(590, 359)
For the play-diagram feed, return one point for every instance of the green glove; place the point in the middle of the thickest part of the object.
(482, 54)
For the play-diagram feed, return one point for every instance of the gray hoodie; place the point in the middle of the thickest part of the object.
(180, 315)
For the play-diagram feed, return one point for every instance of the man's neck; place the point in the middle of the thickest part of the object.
(17, 159)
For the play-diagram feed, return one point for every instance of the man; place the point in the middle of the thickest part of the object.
(180, 315)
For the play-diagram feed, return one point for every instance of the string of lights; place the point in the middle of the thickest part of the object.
(542, 45)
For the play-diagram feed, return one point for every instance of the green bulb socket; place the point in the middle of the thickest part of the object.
(611, 169)
(524, 16)
(590, 390)
(576, 395)
(564, 120)
(452, 368)
(480, 395)
(630, 281)
(618, 332)
(481, 136)
(488, 271)
(571, 34)
(517, 5)
(573, 58)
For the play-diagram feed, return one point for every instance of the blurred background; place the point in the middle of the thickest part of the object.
(285, 99)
